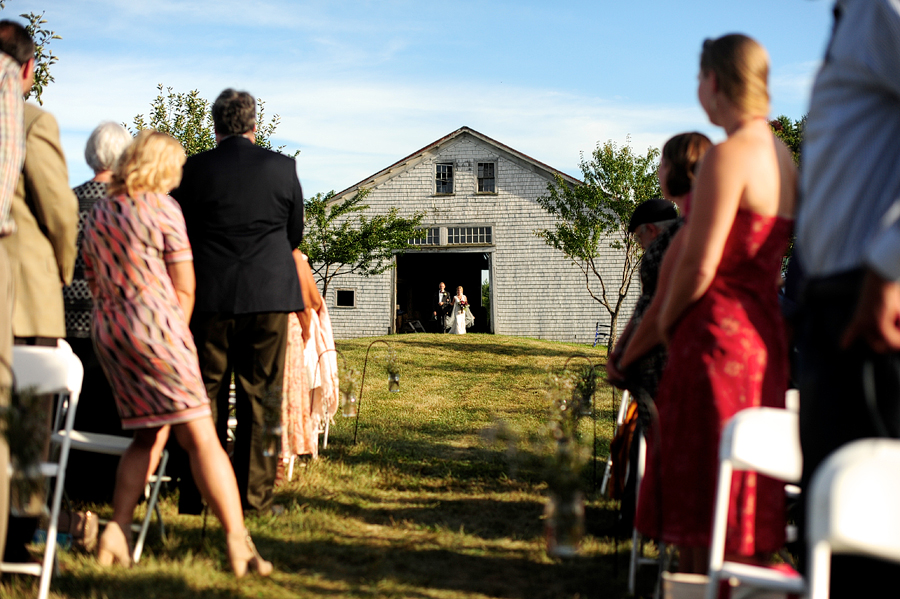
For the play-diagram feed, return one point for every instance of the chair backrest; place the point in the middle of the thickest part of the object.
(854, 498)
(766, 440)
(49, 370)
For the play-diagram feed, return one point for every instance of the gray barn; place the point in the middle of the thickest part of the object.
(479, 198)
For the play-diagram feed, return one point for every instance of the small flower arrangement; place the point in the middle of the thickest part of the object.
(559, 445)
(567, 454)
(463, 304)
(392, 363)
(562, 452)
(348, 386)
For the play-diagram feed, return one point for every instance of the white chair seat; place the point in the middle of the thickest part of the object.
(48, 469)
(17, 568)
(116, 445)
(769, 578)
(96, 442)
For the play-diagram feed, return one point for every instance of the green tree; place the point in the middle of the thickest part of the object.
(43, 56)
(188, 118)
(340, 240)
(486, 301)
(616, 180)
(790, 132)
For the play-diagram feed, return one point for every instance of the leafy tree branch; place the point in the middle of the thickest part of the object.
(187, 117)
(616, 180)
(339, 239)
(44, 57)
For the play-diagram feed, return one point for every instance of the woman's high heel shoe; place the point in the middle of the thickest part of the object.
(113, 547)
(243, 555)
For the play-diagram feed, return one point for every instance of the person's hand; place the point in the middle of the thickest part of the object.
(664, 333)
(877, 316)
(613, 374)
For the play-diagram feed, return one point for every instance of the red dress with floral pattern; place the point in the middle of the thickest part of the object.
(727, 353)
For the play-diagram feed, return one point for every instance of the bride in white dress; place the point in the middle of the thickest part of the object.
(458, 317)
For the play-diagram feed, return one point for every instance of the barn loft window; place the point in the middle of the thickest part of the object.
(464, 235)
(486, 180)
(345, 298)
(443, 178)
(430, 236)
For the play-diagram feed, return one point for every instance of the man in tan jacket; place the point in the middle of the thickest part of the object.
(42, 251)
(12, 154)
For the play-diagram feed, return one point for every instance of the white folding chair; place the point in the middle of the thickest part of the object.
(115, 445)
(58, 371)
(91, 442)
(620, 418)
(637, 541)
(767, 441)
(853, 508)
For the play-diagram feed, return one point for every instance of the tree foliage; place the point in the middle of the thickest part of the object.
(616, 180)
(44, 57)
(188, 118)
(790, 132)
(340, 240)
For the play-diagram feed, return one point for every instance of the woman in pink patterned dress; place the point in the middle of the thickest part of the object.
(139, 266)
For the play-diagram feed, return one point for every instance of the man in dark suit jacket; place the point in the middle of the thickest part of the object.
(243, 207)
(441, 304)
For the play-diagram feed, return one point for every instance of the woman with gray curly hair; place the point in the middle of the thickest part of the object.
(95, 473)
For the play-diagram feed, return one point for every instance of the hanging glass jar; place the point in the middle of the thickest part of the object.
(564, 523)
(394, 382)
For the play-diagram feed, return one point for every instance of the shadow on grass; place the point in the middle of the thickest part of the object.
(368, 571)
(422, 452)
(165, 585)
(417, 571)
(517, 350)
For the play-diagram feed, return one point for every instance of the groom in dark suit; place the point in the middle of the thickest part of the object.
(243, 207)
(441, 305)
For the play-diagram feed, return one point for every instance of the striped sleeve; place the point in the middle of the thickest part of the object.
(12, 138)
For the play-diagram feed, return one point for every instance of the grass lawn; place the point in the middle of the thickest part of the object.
(423, 506)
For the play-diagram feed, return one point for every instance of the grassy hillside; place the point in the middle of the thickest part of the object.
(422, 506)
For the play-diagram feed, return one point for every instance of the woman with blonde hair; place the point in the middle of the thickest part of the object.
(720, 317)
(139, 266)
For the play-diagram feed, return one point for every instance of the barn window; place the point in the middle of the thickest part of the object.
(469, 235)
(430, 236)
(486, 179)
(345, 298)
(443, 178)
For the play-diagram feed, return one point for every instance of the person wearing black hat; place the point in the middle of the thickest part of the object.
(649, 220)
(653, 224)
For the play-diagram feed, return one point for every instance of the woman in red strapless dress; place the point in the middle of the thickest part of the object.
(720, 316)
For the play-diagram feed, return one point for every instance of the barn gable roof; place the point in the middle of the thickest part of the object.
(431, 149)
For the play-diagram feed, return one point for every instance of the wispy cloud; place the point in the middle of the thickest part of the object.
(361, 84)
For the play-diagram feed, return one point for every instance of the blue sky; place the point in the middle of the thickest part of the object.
(359, 85)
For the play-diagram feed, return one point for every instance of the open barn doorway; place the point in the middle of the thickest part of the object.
(418, 276)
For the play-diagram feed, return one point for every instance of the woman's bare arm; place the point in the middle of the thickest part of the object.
(182, 275)
(717, 195)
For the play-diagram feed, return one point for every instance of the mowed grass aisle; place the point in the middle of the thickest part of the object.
(422, 506)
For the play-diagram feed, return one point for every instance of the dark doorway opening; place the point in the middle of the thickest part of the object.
(418, 276)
